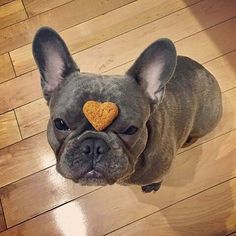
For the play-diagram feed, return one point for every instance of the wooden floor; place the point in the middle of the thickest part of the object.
(198, 197)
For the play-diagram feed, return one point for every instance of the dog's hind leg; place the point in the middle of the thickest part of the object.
(154, 187)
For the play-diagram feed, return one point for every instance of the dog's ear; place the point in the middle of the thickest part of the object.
(154, 68)
(52, 58)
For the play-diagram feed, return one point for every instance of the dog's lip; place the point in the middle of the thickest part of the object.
(94, 174)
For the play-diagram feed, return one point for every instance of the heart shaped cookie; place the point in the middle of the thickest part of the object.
(100, 115)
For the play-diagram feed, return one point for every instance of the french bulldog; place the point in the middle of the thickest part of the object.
(165, 102)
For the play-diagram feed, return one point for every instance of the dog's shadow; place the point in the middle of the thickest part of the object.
(192, 172)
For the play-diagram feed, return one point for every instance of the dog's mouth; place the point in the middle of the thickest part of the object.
(94, 177)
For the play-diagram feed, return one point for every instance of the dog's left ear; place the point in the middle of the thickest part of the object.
(154, 68)
(52, 58)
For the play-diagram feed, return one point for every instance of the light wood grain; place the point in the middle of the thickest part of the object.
(35, 7)
(213, 43)
(76, 11)
(6, 69)
(2, 220)
(12, 13)
(39, 111)
(16, 92)
(105, 56)
(210, 213)
(34, 189)
(212, 35)
(9, 131)
(25, 158)
(103, 28)
(117, 206)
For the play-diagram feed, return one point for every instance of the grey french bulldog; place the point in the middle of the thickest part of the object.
(165, 102)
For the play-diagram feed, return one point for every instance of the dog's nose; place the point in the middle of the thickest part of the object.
(94, 147)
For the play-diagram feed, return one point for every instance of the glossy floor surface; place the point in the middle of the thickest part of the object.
(199, 195)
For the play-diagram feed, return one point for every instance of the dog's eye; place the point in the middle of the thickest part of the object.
(131, 130)
(60, 124)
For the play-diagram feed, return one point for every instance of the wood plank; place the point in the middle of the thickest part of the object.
(79, 11)
(105, 56)
(36, 120)
(102, 28)
(35, 188)
(17, 91)
(9, 131)
(214, 49)
(127, 50)
(191, 173)
(3, 225)
(41, 114)
(199, 215)
(35, 7)
(25, 158)
(6, 69)
(12, 13)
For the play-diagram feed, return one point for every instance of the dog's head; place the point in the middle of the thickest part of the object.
(84, 154)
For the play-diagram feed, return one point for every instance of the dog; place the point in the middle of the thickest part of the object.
(164, 102)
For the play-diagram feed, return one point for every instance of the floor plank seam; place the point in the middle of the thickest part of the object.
(20, 179)
(22, 1)
(164, 208)
(207, 141)
(231, 233)
(207, 28)
(15, 76)
(224, 54)
(18, 125)
(229, 89)
(14, 108)
(29, 17)
(6, 3)
(3, 213)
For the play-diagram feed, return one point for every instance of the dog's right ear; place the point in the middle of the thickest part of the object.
(154, 68)
(52, 58)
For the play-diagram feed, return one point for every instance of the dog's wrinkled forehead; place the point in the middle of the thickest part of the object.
(79, 88)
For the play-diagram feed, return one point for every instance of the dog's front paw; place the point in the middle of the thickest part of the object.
(154, 187)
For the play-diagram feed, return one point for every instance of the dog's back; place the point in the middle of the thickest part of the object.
(193, 98)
